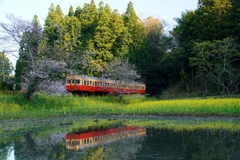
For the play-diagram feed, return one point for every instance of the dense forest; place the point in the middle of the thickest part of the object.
(200, 55)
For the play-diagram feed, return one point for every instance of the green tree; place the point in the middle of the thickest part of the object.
(137, 37)
(68, 38)
(62, 35)
(102, 35)
(120, 36)
(154, 30)
(185, 34)
(6, 67)
(214, 19)
(77, 12)
(157, 71)
(88, 17)
(52, 24)
(219, 60)
(235, 20)
(71, 11)
(28, 52)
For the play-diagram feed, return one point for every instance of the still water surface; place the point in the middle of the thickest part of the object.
(169, 138)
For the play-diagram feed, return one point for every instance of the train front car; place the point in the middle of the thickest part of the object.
(73, 83)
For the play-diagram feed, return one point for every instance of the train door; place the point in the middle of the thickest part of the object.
(73, 84)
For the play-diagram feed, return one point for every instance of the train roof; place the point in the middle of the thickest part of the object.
(95, 78)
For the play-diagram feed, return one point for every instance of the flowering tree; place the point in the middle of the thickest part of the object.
(36, 66)
(122, 72)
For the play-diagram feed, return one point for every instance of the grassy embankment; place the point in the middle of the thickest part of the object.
(15, 106)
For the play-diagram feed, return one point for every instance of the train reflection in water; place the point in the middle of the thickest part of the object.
(76, 141)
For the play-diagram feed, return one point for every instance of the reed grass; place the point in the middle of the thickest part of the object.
(15, 106)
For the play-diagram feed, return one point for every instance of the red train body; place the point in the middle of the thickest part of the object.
(83, 84)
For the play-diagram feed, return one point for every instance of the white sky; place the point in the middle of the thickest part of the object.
(165, 10)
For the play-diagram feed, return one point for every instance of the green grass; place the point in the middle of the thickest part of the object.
(15, 106)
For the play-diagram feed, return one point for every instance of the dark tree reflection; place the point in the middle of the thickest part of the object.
(197, 145)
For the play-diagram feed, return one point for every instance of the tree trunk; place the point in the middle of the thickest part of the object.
(32, 87)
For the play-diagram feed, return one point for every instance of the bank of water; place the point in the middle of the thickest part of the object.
(165, 138)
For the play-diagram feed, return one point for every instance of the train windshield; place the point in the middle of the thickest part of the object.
(73, 81)
(68, 81)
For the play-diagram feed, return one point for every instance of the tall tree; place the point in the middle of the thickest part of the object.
(157, 73)
(120, 35)
(154, 30)
(68, 38)
(28, 52)
(52, 24)
(88, 18)
(185, 34)
(71, 11)
(235, 20)
(137, 39)
(77, 12)
(102, 35)
(214, 17)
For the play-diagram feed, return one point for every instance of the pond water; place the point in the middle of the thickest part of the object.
(170, 138)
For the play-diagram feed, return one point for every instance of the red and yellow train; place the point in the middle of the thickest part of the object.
(76, 141)
(83, 84)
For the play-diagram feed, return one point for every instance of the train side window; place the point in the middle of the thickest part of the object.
(72, 81)
(85, 82)
(77, 81)
(90, 82)
(74, 143)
